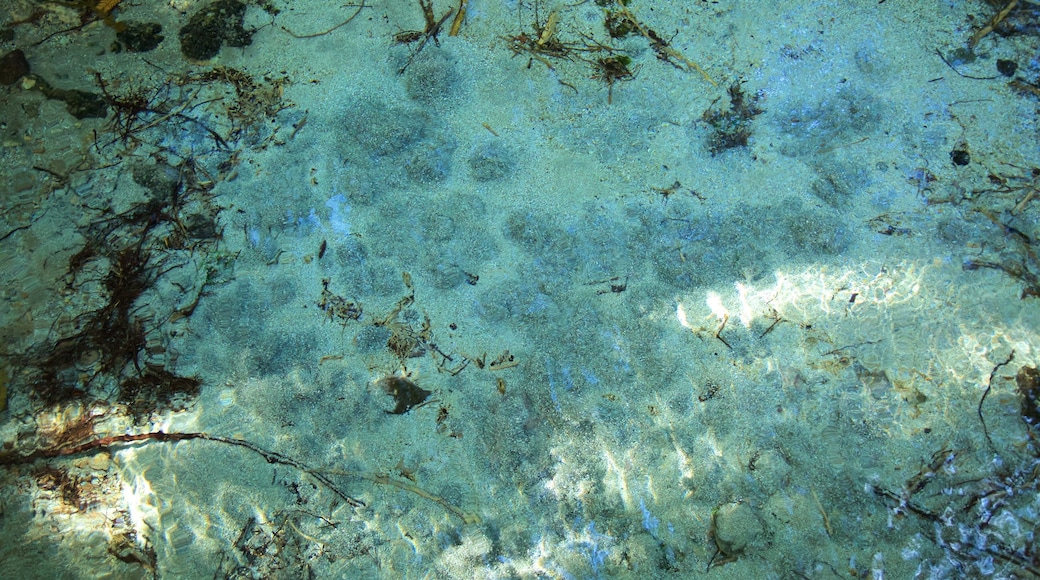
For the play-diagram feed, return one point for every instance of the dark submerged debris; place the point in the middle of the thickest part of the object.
(612, 285)
(337, 307)
(618, 24)
(1017, 258)
(1006, 67)
(407, 395)
(141, 108)
(110, 338)
(676, 187)
(546, 46)
(613, 69)
(126, 547)
(620, 21)
(543, 46)
(91, 443)
(79, 438)
(157, 386)
(406, 342)
(888, 224)
(255, 99)
(432, 28)
(66, 487)
(274, 12)
(958, 510)
(731, 128)
(1010, 19)
(709, 391)
(114, 350)
(1028, 382)
(960, 156)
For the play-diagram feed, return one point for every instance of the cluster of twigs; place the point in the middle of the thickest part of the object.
(961, 507)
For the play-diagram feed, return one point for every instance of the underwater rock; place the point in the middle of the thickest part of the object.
(736, 526)
(216, 23)
(13, 66)
(140, 36)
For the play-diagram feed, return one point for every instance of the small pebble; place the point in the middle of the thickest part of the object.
(101, 461)
(1006, 67)
(227, 398)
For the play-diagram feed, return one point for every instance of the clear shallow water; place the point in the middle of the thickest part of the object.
(526, 301)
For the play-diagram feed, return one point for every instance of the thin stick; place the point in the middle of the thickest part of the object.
(718, 333)
(823, 512)
(1022, 204)
(105, 443)
(466, 517)
(985, 393)
(661, 45)
(460, 15)
(340, 25)
(993, 22)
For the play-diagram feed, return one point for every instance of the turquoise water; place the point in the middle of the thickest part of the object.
(653, 289)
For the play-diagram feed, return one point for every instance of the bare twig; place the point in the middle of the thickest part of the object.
(360, 6)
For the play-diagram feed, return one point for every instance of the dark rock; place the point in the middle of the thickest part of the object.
(216, 23)
(1007, 67)
(13, 66)
(140, 36)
